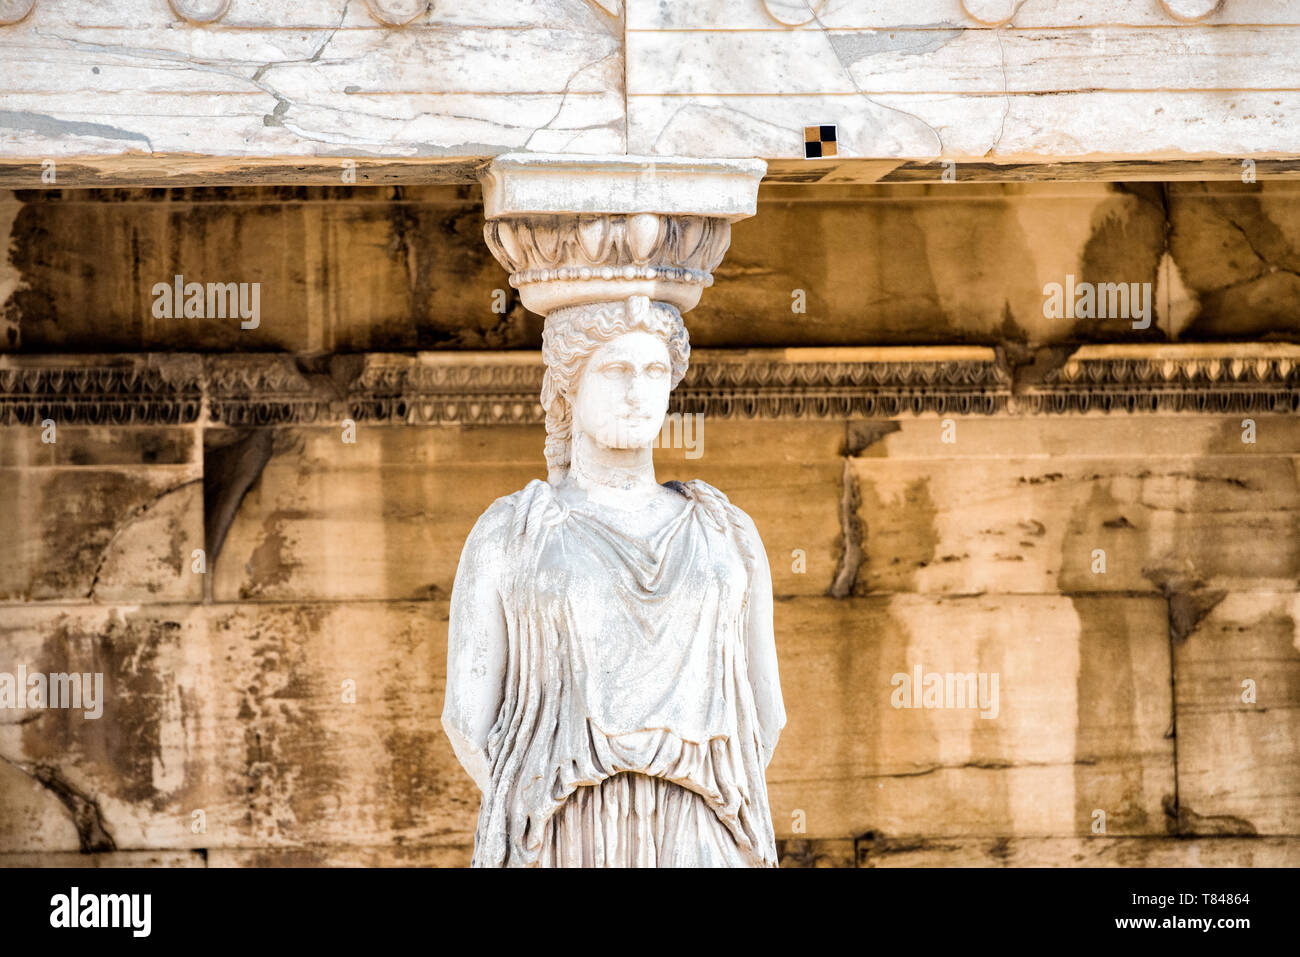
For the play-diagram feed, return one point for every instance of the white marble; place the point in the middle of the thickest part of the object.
(321, 78)
(935, 79)
(12, 11)
(973, 81)
(722, 15)
(530, 183)
(989, 12)
(200, 11)
(604, 625)
(1097, 125)
(612, 682)
(575, 230)
(397, 13)
(1190, 11)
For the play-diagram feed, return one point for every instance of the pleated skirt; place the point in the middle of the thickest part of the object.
(635, 820)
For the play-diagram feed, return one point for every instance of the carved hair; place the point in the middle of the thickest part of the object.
(569, 338)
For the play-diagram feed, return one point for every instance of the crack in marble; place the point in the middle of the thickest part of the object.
(87, 817)
(849, 74)
(126, 523)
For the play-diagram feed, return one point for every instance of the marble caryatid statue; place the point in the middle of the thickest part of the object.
(611, 672)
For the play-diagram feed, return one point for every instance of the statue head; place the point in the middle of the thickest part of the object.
(610, 367)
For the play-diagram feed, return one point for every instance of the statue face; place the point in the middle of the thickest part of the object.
(623, 392)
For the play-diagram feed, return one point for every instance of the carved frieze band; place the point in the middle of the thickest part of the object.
(101, 390)
(503, 388)
(1202, 378)
(840, 383)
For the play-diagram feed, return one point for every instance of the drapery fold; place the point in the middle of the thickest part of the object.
(626, 657)
(635, 820)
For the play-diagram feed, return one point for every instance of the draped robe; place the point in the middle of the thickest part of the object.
(623, 656)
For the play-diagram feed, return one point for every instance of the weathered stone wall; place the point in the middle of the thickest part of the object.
(354, 269)
(966, 545)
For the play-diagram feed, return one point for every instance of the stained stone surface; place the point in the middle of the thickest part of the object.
(291, 690)
(374, 268)
(1080, 725)
(296, 533)
(381, 270)
(107, 515)
(240, 712)
(338, 562)
(1237, 676)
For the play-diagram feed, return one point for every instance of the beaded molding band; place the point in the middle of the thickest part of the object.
(695, 277)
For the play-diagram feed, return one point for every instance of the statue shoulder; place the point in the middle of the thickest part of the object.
(720, 508)
(519, 513)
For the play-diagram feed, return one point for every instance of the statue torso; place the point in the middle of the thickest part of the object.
(642, 629)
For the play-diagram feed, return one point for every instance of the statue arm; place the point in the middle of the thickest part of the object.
(477, 645)
(763, 674)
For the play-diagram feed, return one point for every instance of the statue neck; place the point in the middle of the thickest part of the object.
(621, 477)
